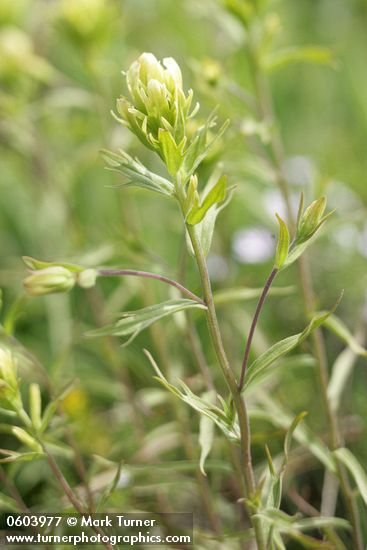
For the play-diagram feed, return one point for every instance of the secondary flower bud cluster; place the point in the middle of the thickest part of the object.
(50, 278)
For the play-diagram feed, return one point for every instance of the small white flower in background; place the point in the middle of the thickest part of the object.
(343, 198)
(254, 245)
(347, 236)
(299, 170)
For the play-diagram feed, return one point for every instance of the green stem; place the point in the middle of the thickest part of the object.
(245, 441)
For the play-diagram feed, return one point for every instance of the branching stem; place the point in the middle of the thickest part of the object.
(255, 319)
(149, 275)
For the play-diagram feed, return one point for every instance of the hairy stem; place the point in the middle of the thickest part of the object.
(255, 319)
(148, 275)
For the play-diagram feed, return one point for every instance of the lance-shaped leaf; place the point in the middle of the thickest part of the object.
(205, 228)
(283, 244)
(136, 175)
(13, 456)
(172, 153)
(278, 350)
(216, 195)
(226, 422)
(133, 322)
(355, 469)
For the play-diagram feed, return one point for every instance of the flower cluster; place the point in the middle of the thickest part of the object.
(159, 108)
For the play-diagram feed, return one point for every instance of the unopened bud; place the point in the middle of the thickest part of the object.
(311, 219)
(49, 280)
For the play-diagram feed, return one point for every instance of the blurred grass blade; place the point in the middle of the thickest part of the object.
(341, 371)
(109, 489)
(316, 55)
(274, 413)
(206, 435)
(229, 295)
(356, 470)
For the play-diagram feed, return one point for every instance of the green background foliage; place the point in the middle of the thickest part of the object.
(60, 73)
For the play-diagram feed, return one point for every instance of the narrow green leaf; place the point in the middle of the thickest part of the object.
(110, 488)
(283, 347)
(283, 244)
(12, 456)
(201, 144)
(135, 174)
(226, 423)
(206, 227)
(270, 462)
(356, 470)
(337, 326)
(290, 432)
(215, 196)
(133, 322)
(171, 152)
